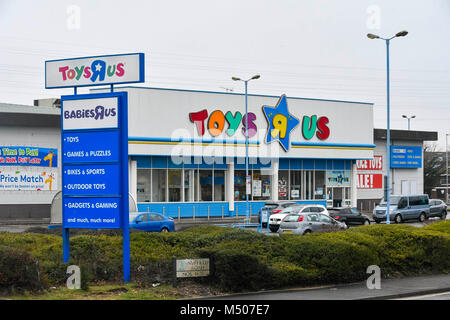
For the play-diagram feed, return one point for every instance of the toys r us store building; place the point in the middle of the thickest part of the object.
(187, 150)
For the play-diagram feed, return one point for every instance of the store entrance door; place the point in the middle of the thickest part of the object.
(337, 196)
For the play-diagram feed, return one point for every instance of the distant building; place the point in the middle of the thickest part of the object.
(407, 176)
(439, 184)
(30, 161)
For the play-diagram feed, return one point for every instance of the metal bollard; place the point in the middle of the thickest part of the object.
(222, 212)
(178, 214)
(164, 211)
(208, 212)
(194, 212)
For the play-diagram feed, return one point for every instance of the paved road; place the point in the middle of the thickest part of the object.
(434, 296)
(390, 289)
(20, 227)
(17, 228)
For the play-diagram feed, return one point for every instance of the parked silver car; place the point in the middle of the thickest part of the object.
(438, 208)
(275, 219)
(309, 222)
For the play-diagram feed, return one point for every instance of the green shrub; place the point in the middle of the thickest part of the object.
(238, 271)
(441, 226)
(20, 271)
(245, 260)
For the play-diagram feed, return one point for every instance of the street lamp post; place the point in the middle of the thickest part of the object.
(446, 168)
(409, 118)
(388, 136)
(247, 218)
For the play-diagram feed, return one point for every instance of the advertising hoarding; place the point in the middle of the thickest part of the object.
(31, 179)
(369, 181)
(28, 156)
(406, 157)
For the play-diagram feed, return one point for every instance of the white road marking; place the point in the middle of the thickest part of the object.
(424, 296)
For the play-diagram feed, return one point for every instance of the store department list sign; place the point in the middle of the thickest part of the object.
(92, 166)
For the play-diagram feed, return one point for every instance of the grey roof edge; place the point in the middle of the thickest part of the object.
(380, 134)
(21, 108)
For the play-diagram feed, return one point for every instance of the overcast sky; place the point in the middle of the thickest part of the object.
(308, 48)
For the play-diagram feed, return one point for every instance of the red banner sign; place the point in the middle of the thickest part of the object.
(375, 164)
(369, 181)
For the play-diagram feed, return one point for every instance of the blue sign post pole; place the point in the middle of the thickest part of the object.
(95, 166)
(125, 187)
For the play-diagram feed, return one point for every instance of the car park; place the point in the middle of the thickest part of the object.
(273, 207)
(402, 208)
(275, 219)
(438, 208)
(152, 222)
(349, 216)
(309, 222)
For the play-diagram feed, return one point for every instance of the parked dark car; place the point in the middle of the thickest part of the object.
(438, 208)
(349, 216)
(153, 222)
(273, 207)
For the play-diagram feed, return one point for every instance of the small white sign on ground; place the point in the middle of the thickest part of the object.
(192, 268)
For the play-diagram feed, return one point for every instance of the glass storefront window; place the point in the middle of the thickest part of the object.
(193, 185)
(143, 185)
(174, 185)
(295, 185)
(159, 185)
(319, 188)
(260, 186)
(347, 193)
(283, 184)
(239, 185)
(189, 185)
(205, 185)
(219, 185)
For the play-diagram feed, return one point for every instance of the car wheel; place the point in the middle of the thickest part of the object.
(443, 215)
(398, 219)
(366, 222)
(377, 221)
(164, 230)
(422, 217)
(307, 232)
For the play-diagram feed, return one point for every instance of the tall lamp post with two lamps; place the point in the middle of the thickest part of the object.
(247, 218)
(409, 119)
(388, 137)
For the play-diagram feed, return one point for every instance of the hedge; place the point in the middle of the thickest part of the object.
(245, 260)
(20, 271)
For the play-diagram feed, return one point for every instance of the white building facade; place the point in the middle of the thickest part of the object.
(187, 150)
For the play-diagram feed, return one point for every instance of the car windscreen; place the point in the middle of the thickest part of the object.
(291, 218)
(393, 200)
